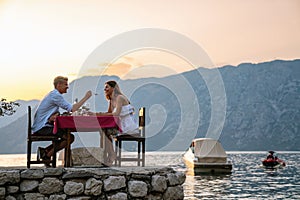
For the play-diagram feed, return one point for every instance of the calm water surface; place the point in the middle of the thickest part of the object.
(247, 181)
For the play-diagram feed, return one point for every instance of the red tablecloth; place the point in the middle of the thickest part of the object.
(85, 123)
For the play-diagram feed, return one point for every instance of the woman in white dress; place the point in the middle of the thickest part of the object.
(120, 106)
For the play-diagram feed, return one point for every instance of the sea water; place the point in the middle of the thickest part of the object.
(248, 180)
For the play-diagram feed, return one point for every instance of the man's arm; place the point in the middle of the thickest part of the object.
(76, 106)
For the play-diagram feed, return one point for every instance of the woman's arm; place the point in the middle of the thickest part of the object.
(103, 114)
(109, 110)
(119, 104)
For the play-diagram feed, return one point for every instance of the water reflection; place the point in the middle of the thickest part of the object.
(208, 186)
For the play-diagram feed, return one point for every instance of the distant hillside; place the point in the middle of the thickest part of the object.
(262, 109)
(263, 106)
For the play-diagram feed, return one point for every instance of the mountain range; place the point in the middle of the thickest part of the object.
(249, 107)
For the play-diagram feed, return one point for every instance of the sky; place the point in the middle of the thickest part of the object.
(42, 39)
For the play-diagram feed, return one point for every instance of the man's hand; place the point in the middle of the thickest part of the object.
(88, 94)
(76, 106)
(53, 117)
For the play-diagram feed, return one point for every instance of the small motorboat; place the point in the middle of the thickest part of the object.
(273, 162)
(207, 156)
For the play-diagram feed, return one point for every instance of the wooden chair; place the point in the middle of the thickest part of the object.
(39, 138)
(139, 138)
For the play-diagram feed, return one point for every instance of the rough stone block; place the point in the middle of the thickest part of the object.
(51, 185)
(137, 188)
(10, 198)
(53, 171)
(87, 156)
(34, 196)
(164, 171)
(156, 196)
(80, 198)
(32, 174)
(2, 192)
(141, 177)
(93, 187)
(73, 188)
(12, 189)
(77, 173)
(114, 183)
(174, 193)
(177, 178)
(11, 177)
(159, 183)
(28, 185)
(57, 197)
(118, 196)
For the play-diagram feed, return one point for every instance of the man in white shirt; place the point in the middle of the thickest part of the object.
(48, 109)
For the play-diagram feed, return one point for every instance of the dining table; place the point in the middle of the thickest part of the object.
(85, 124)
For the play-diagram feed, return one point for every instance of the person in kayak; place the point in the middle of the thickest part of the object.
(271, 155)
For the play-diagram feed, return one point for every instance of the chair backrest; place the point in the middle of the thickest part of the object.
(142, 121)
(29, 122)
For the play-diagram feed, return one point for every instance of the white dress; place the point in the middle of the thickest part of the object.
(128, 123)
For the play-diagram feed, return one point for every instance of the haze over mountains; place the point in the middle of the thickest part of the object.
(262, 108)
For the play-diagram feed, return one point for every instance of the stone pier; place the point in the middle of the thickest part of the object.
(91, 183)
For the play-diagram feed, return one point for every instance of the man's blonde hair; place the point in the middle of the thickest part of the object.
(59, 79)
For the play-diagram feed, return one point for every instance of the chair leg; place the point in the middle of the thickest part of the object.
(29, 143)
(143, 153)
(116, 151)
(139, 153)
(120, 152)
(54, 153)
(140, 159)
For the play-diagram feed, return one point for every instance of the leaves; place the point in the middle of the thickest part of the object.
(8, 108)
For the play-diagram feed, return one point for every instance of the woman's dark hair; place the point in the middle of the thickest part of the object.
(111, 83)
(117, 90)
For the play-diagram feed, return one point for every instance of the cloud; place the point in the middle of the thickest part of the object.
(115, 69)
(120, 67)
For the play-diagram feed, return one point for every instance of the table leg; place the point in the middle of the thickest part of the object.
(105, 152)
(101, 139)
(68, 150)
(103, 143)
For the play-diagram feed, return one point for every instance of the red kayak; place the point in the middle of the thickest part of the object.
(273, 163)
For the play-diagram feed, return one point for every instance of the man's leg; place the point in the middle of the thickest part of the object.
(60, 145)
(44, 132)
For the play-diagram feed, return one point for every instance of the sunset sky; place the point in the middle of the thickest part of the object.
(42, 39)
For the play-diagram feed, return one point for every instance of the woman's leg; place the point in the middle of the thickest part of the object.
(112, 154)
(110, 150)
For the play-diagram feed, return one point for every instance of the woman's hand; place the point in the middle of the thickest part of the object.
(89, 113)
(94, 113)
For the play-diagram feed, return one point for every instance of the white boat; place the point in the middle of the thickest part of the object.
(207, 155)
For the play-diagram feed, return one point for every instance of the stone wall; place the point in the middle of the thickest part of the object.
(91, 183)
